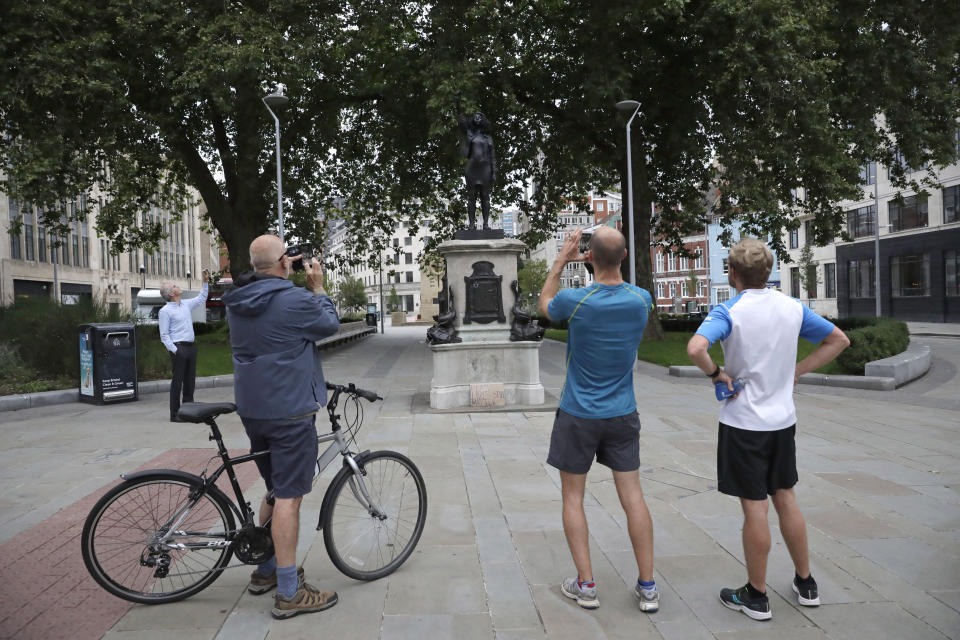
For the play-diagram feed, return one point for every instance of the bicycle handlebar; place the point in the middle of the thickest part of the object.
(351, 388)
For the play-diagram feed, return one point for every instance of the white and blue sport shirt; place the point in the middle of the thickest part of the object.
(759, 330)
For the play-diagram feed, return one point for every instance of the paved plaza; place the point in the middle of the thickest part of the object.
(879, 485)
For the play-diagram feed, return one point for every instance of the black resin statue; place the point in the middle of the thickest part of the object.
(443, 332)
(521, 328)
(481, 169)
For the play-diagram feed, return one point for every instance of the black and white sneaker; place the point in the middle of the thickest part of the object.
(806, 590)
(741, 600)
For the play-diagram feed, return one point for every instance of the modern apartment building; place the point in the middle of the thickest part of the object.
(917, 237)
(604, 208)
(84, 267)
(681, 285)
(397, 267)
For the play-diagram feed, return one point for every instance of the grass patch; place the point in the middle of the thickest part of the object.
(672, 350)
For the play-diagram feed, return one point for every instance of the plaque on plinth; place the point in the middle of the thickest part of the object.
(484, 302)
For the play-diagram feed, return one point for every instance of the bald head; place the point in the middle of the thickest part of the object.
(608, 246)
(265, 252)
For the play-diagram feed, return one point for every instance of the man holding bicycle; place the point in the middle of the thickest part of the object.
(279, 386)
(598, 411)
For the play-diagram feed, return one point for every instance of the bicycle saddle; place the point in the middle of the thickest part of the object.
(201, 411)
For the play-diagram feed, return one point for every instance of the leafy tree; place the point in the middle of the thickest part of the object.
(692, 282)
(743, 106)
(353, 294)
(809, 277)
(531, 277)
(393, 301)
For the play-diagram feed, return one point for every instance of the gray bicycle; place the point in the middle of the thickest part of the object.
(163, 535)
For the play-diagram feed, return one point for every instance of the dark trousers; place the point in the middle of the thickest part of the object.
(184, 375)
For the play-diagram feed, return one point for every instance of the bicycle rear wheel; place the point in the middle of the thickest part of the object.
(365, 546)
(149, 540)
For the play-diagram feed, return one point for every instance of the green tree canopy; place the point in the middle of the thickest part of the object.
(769, 107)
(353, 295)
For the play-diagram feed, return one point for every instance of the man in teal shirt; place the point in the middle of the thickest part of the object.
(598, 412)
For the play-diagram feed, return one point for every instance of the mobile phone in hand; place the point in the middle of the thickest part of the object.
(723, 392)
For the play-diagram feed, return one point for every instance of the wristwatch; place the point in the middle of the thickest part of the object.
(715, 373)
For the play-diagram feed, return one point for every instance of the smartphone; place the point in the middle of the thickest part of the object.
(723, 392)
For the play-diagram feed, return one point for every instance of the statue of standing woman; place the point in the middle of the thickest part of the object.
(481, 169)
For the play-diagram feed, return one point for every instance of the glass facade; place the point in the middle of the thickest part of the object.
(910, 275)
(860, 277)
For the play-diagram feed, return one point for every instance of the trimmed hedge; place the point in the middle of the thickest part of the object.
(349, 318)
(871, 339)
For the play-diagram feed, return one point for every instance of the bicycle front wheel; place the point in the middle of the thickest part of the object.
(368, 546)
(155, 538)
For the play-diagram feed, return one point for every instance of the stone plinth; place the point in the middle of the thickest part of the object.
(486, 356)
(460, 256)
(516, 365)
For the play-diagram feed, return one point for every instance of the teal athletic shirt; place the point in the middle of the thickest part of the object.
(606, 325)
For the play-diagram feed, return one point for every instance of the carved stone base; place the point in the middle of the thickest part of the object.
(478, 234)
(515, 365)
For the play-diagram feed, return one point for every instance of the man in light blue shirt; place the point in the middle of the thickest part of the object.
(597, 417)
(176, 333)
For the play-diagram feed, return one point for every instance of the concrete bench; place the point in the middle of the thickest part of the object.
(903, 367)
(348, 331)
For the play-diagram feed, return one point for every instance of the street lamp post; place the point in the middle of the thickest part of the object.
(143, 276)
(188, 279)
(630, 105)
(876, 235)
(277, 100)
(381, 292)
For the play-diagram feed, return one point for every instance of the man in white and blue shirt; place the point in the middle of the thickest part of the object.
(176, 333)
(756, 452)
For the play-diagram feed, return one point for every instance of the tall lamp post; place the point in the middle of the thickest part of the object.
(876, 233)
(188, 279)
(143, 276)
(630, 105)
(273, 101)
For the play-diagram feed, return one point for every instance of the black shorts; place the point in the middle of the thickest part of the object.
(755, 464)
(292, 463)
(614, 441)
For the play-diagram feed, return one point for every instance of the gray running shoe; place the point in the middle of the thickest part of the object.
(586, 596)
(647, 599)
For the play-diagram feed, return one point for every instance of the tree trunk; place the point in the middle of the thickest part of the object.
(641, 239)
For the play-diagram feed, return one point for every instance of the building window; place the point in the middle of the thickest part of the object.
(860, 221)
(601, 206)
(868, 173)
(910, 275)
(830, 280)
(683, 289)
(41, 241)
(909, 215)
(898, 161)
(951, 203)
(795, 282)
(659, 262)
(812, 281)
(673, 290)
(860, 277)
(699, 262)
(407, 241)
(671, 262)
(409, 276)
(794, 238)
(14, 238)
(660, 290)
(408, 258)
(28, 232)
(723, 294)
(807, 232)
(701, 289)
(951, 266)
(726, 266)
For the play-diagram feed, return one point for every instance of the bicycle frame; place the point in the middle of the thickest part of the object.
(241, 506)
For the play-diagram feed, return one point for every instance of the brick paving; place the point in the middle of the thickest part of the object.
(45, 590)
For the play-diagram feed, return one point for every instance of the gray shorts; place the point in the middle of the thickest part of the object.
(292, 463)
(614, 441)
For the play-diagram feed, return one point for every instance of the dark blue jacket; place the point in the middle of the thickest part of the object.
(273, 327)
